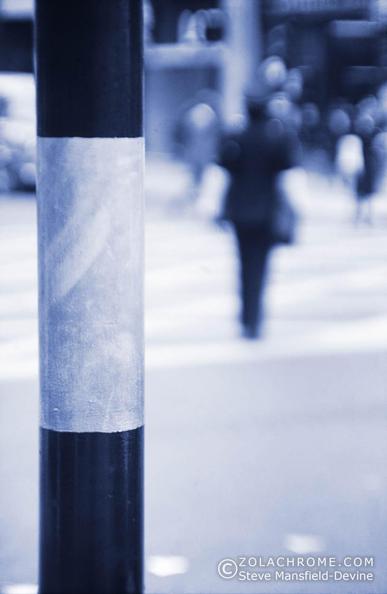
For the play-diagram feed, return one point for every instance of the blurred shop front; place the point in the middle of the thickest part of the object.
(183, 57)
(197, 50)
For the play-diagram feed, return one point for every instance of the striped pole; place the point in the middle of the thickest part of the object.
(90, 224)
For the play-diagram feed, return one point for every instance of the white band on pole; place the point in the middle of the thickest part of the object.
(91, 238)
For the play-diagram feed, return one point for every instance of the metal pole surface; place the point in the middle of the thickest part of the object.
(89, 63)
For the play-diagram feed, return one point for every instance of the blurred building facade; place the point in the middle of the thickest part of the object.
(339, 46)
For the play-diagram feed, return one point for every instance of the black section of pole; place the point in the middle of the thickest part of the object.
(89, 66)
(91, 529)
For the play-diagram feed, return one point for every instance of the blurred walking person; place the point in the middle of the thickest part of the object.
(365, 126)
(359, 160)
(197, 136)
(254, 159)
(350, 162)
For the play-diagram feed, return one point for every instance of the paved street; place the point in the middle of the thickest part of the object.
(272, 448)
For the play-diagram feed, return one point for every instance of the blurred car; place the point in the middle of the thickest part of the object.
(17, 132)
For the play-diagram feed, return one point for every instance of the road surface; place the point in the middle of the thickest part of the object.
(261, 449)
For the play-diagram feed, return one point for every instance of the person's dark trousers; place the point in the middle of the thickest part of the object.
(254, 248)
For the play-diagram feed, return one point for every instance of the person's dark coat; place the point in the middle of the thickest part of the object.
(368, 180)
(254, 158)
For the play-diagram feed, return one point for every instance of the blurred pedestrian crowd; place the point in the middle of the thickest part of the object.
(279, 131)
